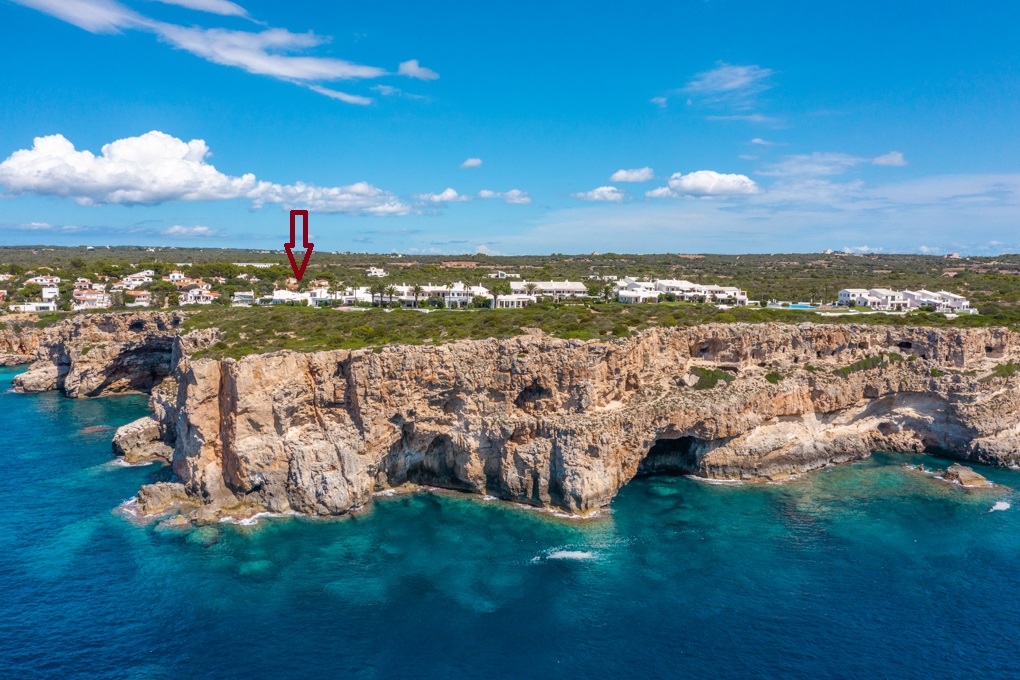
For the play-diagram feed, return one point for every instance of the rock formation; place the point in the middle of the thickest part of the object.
(564, 424)
(560, 424)
(95, 354)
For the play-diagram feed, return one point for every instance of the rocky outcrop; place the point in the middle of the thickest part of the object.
(964, 476)
(564, 424)
(20, 336)
(95, 354)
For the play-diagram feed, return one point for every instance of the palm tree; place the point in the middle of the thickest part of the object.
(417, 290)
(531, 287)
(391, 291)
(377, 289)
(607, 291)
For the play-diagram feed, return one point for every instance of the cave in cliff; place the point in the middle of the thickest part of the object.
(438, 466)
(673, 456)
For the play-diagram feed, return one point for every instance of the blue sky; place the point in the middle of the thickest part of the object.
(701, 126)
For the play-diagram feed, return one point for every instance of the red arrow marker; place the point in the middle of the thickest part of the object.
(289, 247)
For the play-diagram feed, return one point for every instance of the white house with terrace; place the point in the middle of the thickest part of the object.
(883, 299)
(554, 289)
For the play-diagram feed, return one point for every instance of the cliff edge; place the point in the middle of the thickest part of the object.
(564, 424)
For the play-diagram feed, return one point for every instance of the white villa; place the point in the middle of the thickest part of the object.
(243, 298)
(883, 299)
(35, 307)
(637, 295)
(630, 289)
(45, 280)
(198, 296)
(377, 272)
(555, 289)
(91, 299)
(50, 293)
(513, 301)
(503, 275)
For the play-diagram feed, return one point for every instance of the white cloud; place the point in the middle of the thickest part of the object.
(95, 16)
(515, 196)
(634, 175)
(862, 249)
(197, 230)
(486, 250)
(893, 158)
(258, 52)
(157, 167)
(814, 164)
(729, 84)
(273, 52)
(412, 69)
(928, 250)
(603, 194)
(659, 101)
(762, 142)
(705, 183)
(747, 118)
(472, 163)
(342, 96)
(448, 195)
(35, 226)
(221, 7)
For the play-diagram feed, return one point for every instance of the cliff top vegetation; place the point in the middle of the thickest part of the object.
(248, 330)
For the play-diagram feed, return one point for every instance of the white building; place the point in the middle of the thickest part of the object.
(514, 301)
(50, 293)
(198, 296)
(851, 295)
(555, 289)
(44, 280)
(377, 272)
(637, 295)
(91, 299)
(288, 297)
(35, 307)
(503, 275)
(243, 298)
(883, 299)
(139, 298)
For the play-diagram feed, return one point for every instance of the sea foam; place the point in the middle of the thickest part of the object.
(1001, 505)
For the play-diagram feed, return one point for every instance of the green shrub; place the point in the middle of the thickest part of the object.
(936, 373)
(710, 377)
(774, 377)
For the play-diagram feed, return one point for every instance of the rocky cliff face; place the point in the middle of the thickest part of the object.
(95, 354)
(565, 424)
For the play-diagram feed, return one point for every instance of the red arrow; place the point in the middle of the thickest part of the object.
(289, 247)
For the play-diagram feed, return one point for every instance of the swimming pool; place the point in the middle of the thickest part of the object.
(803, 307)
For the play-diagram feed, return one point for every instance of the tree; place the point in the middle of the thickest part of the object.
(173, 299)
(417, 290)
(391, 292)
(530, 287)
(377, 289)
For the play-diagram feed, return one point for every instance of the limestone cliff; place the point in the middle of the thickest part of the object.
(564, 424)
(94, 354)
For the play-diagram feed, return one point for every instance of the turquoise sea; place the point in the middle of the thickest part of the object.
(867, 570)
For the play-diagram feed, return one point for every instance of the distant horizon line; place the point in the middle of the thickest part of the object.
(325, 251)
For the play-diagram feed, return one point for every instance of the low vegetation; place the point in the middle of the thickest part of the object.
(710, 377)
(869, 363)
(1006, 370)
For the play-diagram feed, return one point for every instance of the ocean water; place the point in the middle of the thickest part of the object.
(866, 570)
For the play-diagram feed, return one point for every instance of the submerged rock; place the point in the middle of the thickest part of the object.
(157, 498)
(964, 476)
